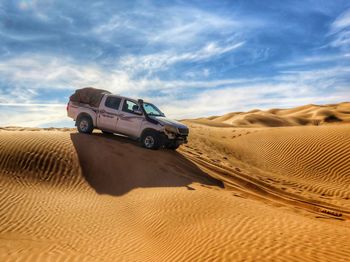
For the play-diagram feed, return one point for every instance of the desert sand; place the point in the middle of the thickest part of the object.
(258, 186)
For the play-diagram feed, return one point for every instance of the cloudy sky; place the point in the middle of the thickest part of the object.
(191, 58)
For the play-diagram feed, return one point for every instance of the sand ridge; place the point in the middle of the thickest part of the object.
(299, 116)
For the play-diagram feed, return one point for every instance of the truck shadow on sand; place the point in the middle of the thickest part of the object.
(115, 165)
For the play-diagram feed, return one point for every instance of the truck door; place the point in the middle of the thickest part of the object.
(129, 122)
(108, 115)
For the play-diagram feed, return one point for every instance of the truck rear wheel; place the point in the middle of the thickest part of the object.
(150, 140)
(85, 125)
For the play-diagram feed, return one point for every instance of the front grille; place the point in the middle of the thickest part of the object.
(183, 131)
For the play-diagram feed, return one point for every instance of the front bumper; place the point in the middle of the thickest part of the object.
(177, 139)
(181, 140)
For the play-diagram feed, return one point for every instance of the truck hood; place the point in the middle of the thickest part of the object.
(167, 121)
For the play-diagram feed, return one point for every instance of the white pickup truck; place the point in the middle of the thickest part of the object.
(134, 118)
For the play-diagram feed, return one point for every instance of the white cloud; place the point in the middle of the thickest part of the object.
(342, 39)
(32, 104)
(336, 72)
(28, 74)
(341, 21)
(181, 26)
(161, 61)
(32, 115)
(178, 99)
(340, 30)
(139, 43)
(208, 102)
(316, 59)
(262, 96)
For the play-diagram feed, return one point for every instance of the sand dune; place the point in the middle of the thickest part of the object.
(303, 115)
(233, 193)
(304, 164)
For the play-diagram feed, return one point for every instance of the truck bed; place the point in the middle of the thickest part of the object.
(75, 108)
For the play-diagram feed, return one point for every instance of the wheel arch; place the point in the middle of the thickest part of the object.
(84, 114)
(148, 129)
(156, 134)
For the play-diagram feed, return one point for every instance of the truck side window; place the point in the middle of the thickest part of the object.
(129, 106)
(113, 102)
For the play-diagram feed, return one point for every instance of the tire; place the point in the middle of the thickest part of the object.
(150, 140)
(106, 132)
(85, 125)
(172, 146)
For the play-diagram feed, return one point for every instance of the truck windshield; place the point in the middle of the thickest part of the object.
(152, 110)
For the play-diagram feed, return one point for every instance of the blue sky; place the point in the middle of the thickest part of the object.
(191, 58)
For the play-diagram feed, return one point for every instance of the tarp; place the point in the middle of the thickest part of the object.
(88, 95)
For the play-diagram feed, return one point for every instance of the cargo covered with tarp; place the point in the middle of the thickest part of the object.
(88, 95)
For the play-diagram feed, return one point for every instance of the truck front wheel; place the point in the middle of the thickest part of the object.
(85, 125)
(150, 140)
(172, 146)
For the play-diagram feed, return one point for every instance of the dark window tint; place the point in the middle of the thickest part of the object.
(113, 102)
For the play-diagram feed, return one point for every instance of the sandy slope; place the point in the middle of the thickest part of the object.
(304, 164)
(67, 196)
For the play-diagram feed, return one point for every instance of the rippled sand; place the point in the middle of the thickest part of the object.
(232, 193)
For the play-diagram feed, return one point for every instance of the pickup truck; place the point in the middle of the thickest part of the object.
(136, 119)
